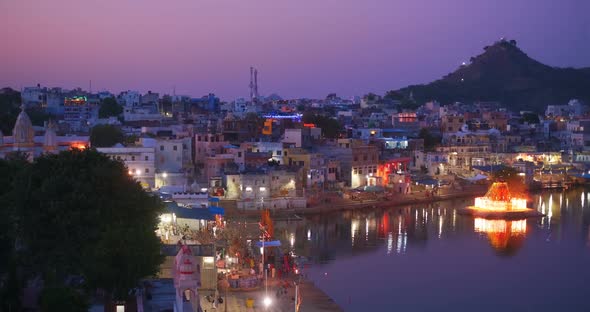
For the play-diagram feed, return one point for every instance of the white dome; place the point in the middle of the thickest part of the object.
(23, 128)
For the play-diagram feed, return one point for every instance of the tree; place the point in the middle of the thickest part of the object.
(330, 127)
(393, 95)
(371, 97)
(430, 141)
(81, 214)
(109, 107)
(54, 299)
(105, 136)
(9, 109)
(408, 104)
(10, 281)
(530, 118)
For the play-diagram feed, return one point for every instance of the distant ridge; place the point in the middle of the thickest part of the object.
(506, 74)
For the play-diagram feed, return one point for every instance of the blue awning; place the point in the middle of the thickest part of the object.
(216, 210)
(189, 213)
(214, 199)
(274, 243)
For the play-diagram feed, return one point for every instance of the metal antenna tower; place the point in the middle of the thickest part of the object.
(255, 83)
(251, 84)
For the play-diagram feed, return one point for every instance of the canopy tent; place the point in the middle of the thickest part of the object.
(476, 178)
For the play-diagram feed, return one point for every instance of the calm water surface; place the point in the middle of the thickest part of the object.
(428, 258)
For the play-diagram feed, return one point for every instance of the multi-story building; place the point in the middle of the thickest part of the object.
(33, 96)
(313, 166)
(270, 188)
(77, 112)
(452, 123)
(365, 160)
(173, 155)
(129, 98)
(139, 160)
(302, 137)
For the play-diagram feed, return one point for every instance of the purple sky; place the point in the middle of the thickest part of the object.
(302, 48)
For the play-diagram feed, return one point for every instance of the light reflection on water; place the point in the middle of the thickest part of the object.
(397, 244)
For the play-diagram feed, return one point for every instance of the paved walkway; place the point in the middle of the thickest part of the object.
(313, 300)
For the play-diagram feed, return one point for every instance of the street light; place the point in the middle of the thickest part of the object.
(267, 301)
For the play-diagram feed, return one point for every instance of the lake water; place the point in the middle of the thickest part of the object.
(428, 258)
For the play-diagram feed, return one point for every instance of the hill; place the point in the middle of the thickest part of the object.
(506, 74)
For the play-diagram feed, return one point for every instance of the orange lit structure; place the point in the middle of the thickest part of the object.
(499, 198)
(504, 236)
(499, 203)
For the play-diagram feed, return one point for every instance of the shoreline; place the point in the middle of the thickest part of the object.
(347, 205)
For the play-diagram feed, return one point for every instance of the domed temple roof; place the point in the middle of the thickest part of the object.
(23, 132)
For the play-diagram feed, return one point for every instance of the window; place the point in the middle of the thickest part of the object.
(365, 157)
(285, 153)
(147, 158)
(360, 171)
(161, 147)
(278, 153)
(356, 158)
(239, 154)
(132, 158)
(301, 163)
(206, 138)
(147, 170)
(175, 147)
(184, 146)
(199, 138)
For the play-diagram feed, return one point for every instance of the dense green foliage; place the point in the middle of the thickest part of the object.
(530, 118)
(63, 299)
(109, 107)
(506, 74)
(78, 213)
(106, 136)
(330, 127)
(430, 140)
(9, 108)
